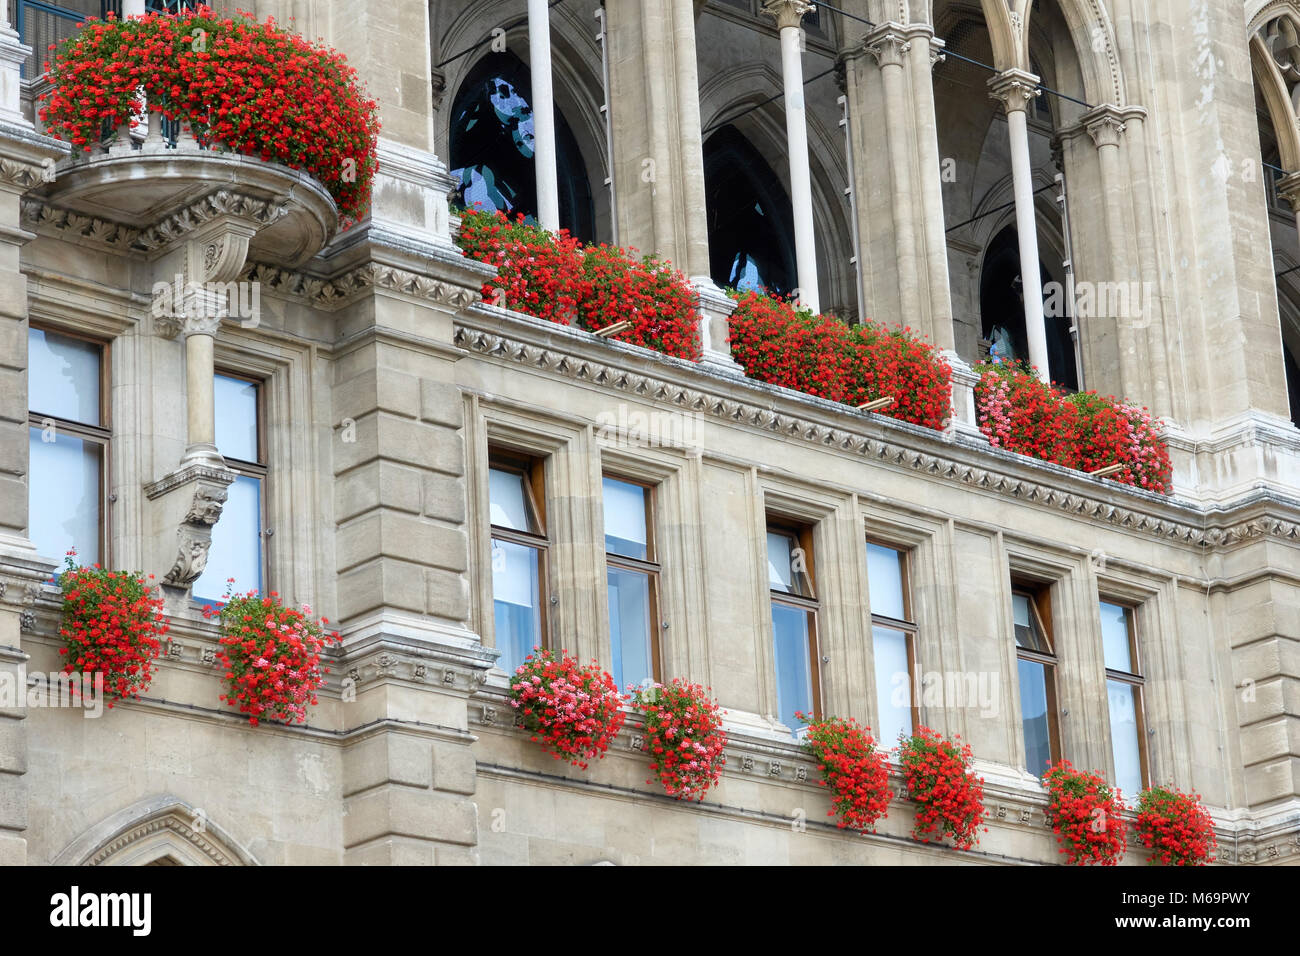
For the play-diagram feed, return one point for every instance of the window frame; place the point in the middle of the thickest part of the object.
(802, 535)
(532, 470)
(1040, 605)
(911, 630)
(652, 567)
(1135, 679)
(101, 434)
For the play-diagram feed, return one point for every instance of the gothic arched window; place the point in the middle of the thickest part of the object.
(491, 147)
(751, 243)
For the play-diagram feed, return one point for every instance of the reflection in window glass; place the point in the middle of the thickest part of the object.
(793, 678)
(64, 498)
(893, 685)
(236, 418)
(780, 558)
(1033, 716)
(629, 626)
(885, 575)
(63, 377)
(1125, 737)
(236, 550)
(1115, 637)
(516, 588)
(507, 501)
(625, 514)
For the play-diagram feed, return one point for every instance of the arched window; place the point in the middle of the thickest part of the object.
(491, 146)
(751, 244)
(1002, 310)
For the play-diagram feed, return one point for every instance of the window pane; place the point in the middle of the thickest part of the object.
(629, 626)
(780, 555)
(516, 591)
(625, 527)
(793, 679)
(1124, 736)
(885, 578)
(1033, 716)
(63, 376)
(507, 500)
(893, 685)
(1114, 637)
(236, 550)
(1028, 634)
(64, 496)
(236, 412)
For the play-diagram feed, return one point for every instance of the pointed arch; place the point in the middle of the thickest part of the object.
(160, 830)
(1273, 88)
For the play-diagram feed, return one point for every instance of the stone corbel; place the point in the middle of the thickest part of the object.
(202, 493)
(1105, 125)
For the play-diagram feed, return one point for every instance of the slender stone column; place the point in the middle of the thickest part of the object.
(890, 48)
(539, 51)
(925, 52)
(696, 262)
(1015, 88)
(789, 15)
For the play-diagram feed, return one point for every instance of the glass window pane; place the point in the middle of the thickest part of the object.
(1124, 736)
(625, 526)
(516, 591)
(236, 413)
(1114, 637)
(885, 578)
(893, 685)
(64, 496)
(507, 500)
(780, 555)
(629, 626)
(236, 550)
(1033, 716)
(1028, 634)
(63, 376)
(793, 678)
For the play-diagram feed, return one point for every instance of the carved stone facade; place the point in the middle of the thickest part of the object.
(386, 383)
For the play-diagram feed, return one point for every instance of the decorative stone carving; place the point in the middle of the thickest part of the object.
(27, 621)
(637, 742)
(222, 203)
(1014, 89)
(774, 768)
(787, 13)
(194, 536)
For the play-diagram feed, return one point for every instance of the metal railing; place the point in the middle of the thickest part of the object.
(41, 24)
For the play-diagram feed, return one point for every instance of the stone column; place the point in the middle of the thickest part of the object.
(1015, 88)
(789, 16)
(890, 50)
(544, 161)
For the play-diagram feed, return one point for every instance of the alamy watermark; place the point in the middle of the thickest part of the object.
(177, 299)
(628, 427)
(83, 691)
(950, 689)
(1131, 302)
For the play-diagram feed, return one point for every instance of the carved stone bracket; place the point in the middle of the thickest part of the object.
(206, 489)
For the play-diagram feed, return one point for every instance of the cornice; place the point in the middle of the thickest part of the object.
(332, 294)
(796, 417)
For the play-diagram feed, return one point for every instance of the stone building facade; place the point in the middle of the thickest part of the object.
(354, 429)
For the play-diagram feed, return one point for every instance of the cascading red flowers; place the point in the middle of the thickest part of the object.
(573, 710)
(1085, 814)
(821, 355)
(1085, 431)
(249, 87)
(112, 625)
(948, 794)
(854, 769)
(271, 655)
(553, 276)
(683, 736)
(1175, 827)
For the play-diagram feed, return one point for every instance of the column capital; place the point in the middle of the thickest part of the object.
(1105, 124)
(1014, 89)
(787, 13)
(888, 43)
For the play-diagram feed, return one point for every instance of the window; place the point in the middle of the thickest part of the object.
(1124, 692)
(893, 642)
(1036, 664)
(632, 577)
(519, 549)
(237, 538)
(794, 622)
(491, 146)
(68, 442)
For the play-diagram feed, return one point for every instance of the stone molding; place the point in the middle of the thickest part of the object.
(1062, 490)
(337, 293)
(164, 813)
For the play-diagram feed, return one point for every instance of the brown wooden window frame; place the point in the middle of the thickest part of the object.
(909, 627)
(101, 434)
(533, 471)
(651, 567)
(1040, 606)
(802, 535)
